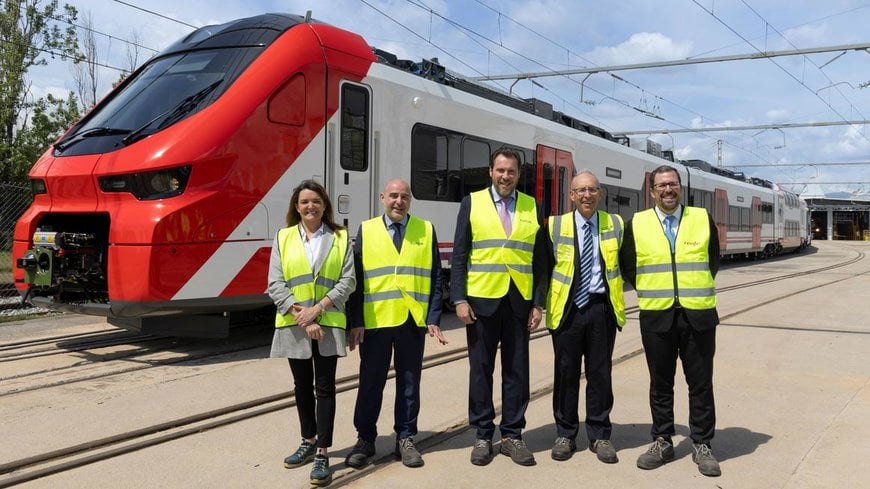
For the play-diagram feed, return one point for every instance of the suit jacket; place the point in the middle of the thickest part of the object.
(280, 293)
(575, 281)
(459, 269)
(661, 321)
(356, 319)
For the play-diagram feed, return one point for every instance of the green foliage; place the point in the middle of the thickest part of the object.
(29, 34)
(50, 117)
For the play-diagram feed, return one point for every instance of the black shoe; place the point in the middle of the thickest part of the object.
(481, 454)
(302, 455)
(360, 454)
(408, 453)
(563, 448)
(320, 473)
(707, 463)
(516, 449)
(660, 452)
(605, 451)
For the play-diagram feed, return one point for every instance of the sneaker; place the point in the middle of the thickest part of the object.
(320, 473)
(659, 452)
(481, 454)
(360, 454)
(516, 449)
(707, 464)
(408, 453)
(605, 451)
(563, 448)
(302, 455)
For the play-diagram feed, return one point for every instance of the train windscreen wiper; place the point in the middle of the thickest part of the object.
(88, 133)
(173, 114)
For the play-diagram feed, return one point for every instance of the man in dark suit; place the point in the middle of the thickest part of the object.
(396, 302)
(585, 308)
(498, 284)
(671, 256)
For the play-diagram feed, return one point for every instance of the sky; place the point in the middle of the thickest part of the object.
(477, 38)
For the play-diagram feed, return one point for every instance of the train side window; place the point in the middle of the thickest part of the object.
(475, 165)
(355, 119)
(744, 219)
(733, 218)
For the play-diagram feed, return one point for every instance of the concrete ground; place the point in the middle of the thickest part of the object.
(791, 386)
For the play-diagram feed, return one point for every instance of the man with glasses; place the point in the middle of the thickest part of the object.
(585, 308)
(671, 256)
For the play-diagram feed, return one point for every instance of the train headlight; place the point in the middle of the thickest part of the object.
(37, 186)
(153, 185)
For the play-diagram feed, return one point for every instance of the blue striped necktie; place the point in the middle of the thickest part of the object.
(581, 296)
(669, 231)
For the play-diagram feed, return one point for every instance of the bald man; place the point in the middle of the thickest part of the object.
(397, 301)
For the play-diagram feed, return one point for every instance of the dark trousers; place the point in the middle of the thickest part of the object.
(586, 335)
(695, 349)
(314, 380)
(405, 344)
(484, 335)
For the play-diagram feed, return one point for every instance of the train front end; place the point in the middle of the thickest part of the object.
(133, 203)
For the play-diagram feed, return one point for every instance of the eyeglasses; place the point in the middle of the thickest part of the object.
(666, 185)
(586, 190)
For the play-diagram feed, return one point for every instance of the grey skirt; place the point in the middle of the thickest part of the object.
(292, 342)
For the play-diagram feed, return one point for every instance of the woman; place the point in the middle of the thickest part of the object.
(311, 275)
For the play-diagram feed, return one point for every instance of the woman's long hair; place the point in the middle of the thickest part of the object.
(293, 216)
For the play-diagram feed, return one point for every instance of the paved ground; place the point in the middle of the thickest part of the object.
(792, 399)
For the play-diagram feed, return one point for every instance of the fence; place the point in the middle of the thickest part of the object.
(14, 199)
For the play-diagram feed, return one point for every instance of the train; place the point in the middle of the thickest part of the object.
(158, 208)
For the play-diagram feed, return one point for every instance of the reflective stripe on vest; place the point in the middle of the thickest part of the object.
(394, 283)
(561, 230)
(496, 259)
(307, 289)
(688, 267)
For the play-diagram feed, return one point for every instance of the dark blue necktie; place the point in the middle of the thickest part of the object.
(581, 296)
(669, 231)
(397, 235)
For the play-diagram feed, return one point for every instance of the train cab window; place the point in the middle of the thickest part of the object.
(355, 118)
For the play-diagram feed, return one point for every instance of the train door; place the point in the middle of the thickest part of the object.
(350, 168)
(755, 222)
(720, 215)
(555, 169)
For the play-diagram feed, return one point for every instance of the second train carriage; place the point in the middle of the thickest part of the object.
(158, 208)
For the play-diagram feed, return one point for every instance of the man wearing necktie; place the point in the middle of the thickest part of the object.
(498, 284)
(585, 308)
(671, 256)
(397, 300)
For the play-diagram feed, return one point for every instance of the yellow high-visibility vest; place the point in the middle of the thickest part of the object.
(496, 259)
(307, 288)
(561, 230)
(659, 271)
(395, 283)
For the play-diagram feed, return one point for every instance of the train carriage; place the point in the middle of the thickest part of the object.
(158, 208)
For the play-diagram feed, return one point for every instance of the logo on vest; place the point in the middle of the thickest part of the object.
(692, 243)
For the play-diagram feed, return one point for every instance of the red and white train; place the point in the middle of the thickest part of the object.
(158, 208)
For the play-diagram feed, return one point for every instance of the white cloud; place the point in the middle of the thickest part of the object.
(641, 47)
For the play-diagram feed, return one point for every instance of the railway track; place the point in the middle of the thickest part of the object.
(67, 458)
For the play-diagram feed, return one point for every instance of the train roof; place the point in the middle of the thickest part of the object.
(432, 70)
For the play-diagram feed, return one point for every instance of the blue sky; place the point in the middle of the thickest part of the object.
(488, 37)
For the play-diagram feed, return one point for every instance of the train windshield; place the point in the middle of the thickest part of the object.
(166, 91)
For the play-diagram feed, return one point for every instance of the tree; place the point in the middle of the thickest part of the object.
(28, 36)
(85, 70)
(49, 118)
